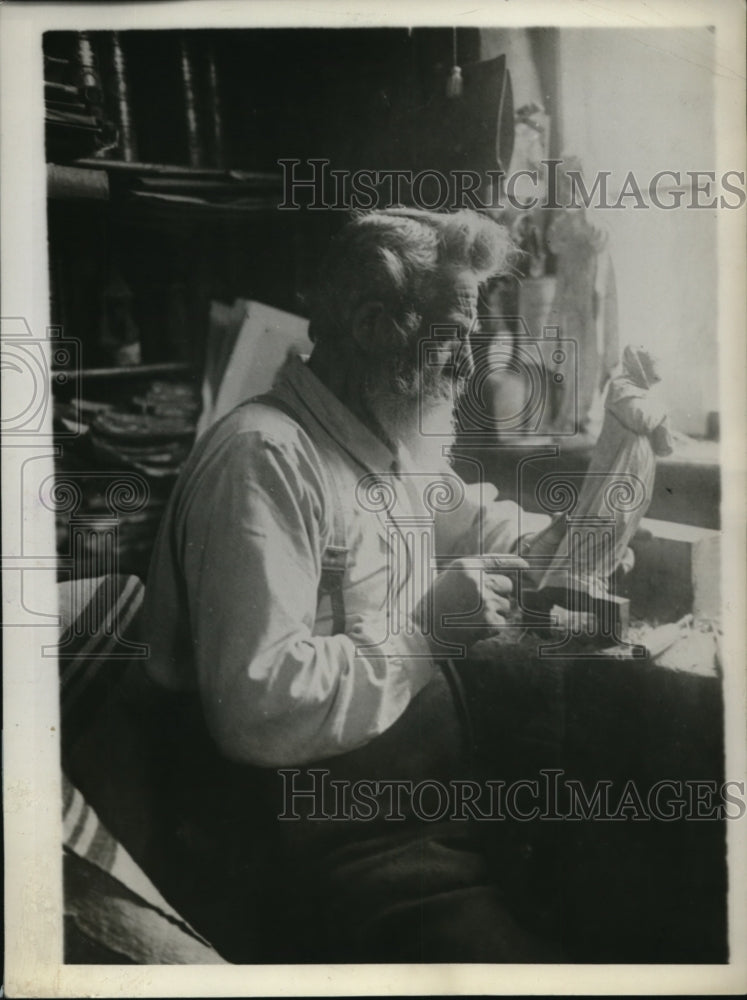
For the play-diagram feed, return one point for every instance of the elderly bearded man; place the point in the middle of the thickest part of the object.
(284, 588)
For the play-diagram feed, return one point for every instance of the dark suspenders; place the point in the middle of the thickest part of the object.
(335, 555)
(334, 563)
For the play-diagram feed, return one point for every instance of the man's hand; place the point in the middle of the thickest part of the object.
(471, 598)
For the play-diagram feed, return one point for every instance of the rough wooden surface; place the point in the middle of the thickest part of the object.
(627, 890)
(677, 571)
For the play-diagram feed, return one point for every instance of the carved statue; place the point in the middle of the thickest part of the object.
(585, 303)
(589, 540)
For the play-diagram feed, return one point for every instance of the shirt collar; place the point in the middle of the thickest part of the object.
(303, 386)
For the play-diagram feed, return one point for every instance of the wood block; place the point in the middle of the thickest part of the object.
(677, 572)
(612, 613)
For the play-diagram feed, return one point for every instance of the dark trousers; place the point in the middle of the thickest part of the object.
(395, 886)
(339, 889)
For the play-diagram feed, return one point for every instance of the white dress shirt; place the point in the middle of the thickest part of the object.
(232, 604)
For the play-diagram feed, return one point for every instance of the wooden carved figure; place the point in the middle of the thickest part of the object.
(588, 541)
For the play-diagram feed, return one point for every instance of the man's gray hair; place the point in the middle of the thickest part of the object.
(396, 257)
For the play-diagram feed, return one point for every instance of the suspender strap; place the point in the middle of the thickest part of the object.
(335, 555)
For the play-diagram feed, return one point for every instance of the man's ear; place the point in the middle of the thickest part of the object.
(369, 327)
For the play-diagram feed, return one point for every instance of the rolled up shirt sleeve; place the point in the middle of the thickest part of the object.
(274, 693)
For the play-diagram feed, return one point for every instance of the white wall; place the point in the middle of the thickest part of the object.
(643, 101)
(513, 43)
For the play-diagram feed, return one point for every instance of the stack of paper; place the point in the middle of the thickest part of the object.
(247, 345)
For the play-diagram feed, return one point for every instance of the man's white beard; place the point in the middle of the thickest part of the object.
(419, 417)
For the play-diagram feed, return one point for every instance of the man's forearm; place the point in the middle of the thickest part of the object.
(315, 697)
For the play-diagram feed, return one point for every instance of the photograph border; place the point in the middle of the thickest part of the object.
(32, 794)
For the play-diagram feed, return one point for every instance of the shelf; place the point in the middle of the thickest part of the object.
(174, 170)
(66, 183)
(134, 371)
(163, 194)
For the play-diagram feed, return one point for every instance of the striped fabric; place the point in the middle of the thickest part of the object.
(117, 911)
(110, 902)
(96, 648)
(86, 836)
